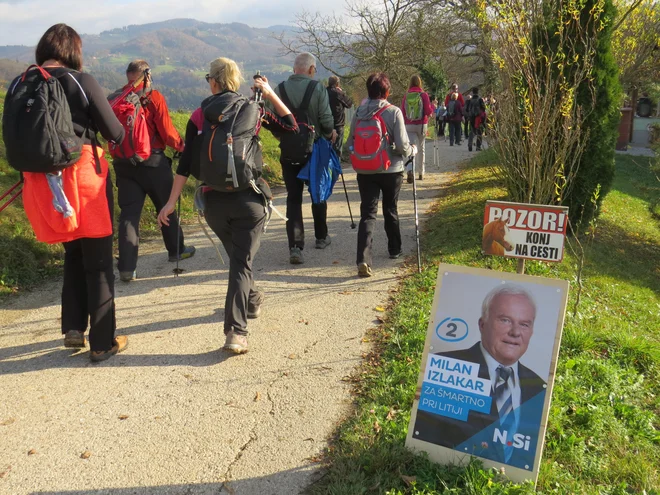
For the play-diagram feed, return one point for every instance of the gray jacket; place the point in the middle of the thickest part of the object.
(399, 148)
(319, 113)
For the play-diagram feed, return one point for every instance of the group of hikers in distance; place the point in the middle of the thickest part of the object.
(54, 111)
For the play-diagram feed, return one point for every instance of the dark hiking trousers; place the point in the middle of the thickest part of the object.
(339, 142)
(474, 132)
(454, 131)
(466, 127)
(295, 230)
(370, 187)
(238, 220)
(154, 179)
(88, 292)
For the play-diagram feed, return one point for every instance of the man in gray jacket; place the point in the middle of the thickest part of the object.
(318, 115)
(386, 181)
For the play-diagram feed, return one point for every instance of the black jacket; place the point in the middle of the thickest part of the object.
(449, 432)
(338, 101)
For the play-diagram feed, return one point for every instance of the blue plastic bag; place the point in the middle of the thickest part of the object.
(321, 171)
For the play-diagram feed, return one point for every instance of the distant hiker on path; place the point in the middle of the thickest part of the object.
(476, 115)
(452, 90)
(237, 217)
(388, 177)
(88, 292)
(339, 102)
(416, 107)
(152, 177)
(454, 119)
(308, 100)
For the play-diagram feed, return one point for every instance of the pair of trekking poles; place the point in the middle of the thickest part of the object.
(411, 162)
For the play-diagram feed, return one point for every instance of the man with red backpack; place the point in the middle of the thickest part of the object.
(145, 170)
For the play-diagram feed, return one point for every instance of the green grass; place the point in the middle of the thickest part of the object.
(25, 263)
(603, 433)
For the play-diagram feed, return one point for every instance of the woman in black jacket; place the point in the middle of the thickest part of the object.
(236, 217)
(88, 290)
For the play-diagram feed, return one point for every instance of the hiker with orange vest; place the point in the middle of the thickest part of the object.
(71, 202)
(416, 107)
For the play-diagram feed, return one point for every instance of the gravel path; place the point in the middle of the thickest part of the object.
(174, 414)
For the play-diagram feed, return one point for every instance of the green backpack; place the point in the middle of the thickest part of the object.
(414, 106)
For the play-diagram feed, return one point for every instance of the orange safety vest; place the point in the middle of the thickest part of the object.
(86, 192)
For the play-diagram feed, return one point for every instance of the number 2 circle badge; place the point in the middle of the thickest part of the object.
(452, 330)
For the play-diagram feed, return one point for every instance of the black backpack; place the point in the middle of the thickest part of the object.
(296, 148)
(36, 124)
(475, 107)
(229, 147)
(451, 108)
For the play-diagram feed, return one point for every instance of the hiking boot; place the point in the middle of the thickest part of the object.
(187, 252)
(410, 177)
(295, 256)
(75, 339)
(323, 243)
(254, 310)
(236, 343)
(121, 343)
(127, 276)
(396, 255)
(364, 270)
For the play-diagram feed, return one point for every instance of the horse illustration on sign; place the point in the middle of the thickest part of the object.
(496, 238)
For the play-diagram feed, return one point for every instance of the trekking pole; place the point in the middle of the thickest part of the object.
(419, 250)
(347, 201)
(13, 197)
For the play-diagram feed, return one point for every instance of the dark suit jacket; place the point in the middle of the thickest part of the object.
(450, 432)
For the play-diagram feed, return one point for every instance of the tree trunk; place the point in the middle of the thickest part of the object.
(633, 104)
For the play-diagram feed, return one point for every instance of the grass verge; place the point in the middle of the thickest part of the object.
(602, 436)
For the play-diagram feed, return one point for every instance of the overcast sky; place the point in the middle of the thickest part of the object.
(22, 22)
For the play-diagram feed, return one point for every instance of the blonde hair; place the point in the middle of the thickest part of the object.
(454, 96)
(226, 73)
(415, 82)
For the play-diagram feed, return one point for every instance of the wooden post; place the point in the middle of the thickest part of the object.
(521, 266)
(633, 104)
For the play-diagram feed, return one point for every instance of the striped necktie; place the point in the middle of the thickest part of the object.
(504, 401)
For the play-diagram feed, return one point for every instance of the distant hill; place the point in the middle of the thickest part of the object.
(179, 51)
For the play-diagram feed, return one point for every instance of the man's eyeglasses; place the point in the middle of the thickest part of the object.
(207, 77)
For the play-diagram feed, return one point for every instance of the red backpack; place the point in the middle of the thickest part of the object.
(369, 153)
(136, 146)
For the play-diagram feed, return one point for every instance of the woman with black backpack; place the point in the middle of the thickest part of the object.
(234, 195)
(71, 203)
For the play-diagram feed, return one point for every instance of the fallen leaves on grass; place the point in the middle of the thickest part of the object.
(408, 480)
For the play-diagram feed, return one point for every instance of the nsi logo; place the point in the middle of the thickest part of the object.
(519, 441)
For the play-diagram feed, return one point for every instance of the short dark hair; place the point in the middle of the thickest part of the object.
(333, 81)
(475, 91)
(378, 85)
(60, 42)
(137, 67)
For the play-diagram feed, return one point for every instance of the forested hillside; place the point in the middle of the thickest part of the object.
(178, 50)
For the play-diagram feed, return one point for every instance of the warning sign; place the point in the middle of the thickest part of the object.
(517, 230)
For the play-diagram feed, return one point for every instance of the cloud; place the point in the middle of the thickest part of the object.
(22, 22)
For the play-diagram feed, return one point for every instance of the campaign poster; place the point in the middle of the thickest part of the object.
(516, 230)
(487, 370)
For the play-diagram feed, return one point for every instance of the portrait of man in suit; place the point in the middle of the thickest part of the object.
(507, 431)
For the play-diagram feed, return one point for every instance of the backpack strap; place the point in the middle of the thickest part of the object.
(307, 98)
(94, 141)
(304, 105)
(378, 115)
